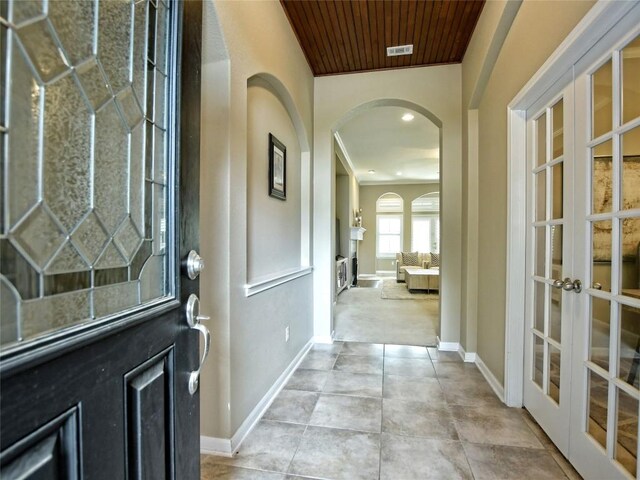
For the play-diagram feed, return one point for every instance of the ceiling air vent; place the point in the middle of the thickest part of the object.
(399, 50)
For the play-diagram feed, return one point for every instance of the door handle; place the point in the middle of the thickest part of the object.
(193, 320)
(568, 285)
(557, 284)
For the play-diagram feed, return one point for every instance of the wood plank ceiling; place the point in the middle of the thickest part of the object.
(345, 36)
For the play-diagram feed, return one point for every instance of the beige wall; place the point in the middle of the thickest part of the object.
(243, 41)
(539, 27)
(369, 194)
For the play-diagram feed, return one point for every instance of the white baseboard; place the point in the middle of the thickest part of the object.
(491, 379)
(226, 447)
(322, 339)
(448, 346)
(468, 357)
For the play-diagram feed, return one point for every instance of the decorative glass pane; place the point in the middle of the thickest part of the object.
(558, 129)
(631, 169)
(84, 212)
(600, 332)
(23, 123)
(598, 406)
(602, 100)
(46, 56)
(601, 255)
(629, 347)
(630, 79)
(538, 360)
(554, 373)
(627, 432)
(540, 253)
(541, 142)
(74, 23)
(541, 195)
(67, 134)
(557, 190)
(602, 178)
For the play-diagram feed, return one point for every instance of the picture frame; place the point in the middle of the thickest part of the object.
(277, 168)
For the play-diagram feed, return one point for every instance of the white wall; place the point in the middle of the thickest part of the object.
(243, 41)
(433, 91)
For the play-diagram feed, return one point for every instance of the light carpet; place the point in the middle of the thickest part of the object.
(392, 290)
(362, 316)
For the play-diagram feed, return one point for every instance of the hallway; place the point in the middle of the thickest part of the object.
(369, 411)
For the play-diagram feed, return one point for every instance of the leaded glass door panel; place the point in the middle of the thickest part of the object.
(95, 352)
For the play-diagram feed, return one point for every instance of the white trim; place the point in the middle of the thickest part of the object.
(448, 346)
(347, 158)
(270, 281)
(491, 379)
(595, 24)
(467, 357)
(400, 182)
(228, 447)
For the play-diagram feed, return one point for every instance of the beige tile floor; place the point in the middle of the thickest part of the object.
(369, 411)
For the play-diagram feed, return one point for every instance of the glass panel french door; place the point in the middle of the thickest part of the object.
(547, 349)
(605, 394)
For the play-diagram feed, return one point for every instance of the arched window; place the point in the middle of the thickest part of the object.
(425, 223)
(389, 208)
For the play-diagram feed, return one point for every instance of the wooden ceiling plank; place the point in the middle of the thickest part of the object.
(335, 38)
(355, 44)
(439, 32)
(382, 52)
(357, 27)
(308, 41)
(395, 24)
(456, 11)
(431, 32)
(416, 13)
(424, 33)
(366, 32)
(471, 26)
(344, 33)
(452, 54)
(324, 34)
(302, 41)
(404, 29)
(387, 6)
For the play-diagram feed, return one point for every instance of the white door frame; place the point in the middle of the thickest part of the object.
(595, 24)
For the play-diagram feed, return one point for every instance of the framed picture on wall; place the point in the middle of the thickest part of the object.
(277, 168)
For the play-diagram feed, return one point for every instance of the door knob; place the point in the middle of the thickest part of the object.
(195, 265)
(575, 285)
(557, 284)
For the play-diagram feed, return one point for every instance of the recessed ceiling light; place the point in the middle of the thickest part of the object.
(372, 171)
(398, 173)
(407, 117)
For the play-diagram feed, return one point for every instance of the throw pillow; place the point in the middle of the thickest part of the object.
(435, 260)
(410, 259)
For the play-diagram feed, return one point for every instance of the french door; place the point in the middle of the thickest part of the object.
(100, 187)
(582, 349)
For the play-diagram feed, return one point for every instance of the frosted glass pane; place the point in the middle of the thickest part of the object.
(25, 10)
(152, 279)
(22, 142)
(114, 41)
(74, 22)
(67, 259)
(160, 100)
(159, 219)
(111, 167)
(39, 236)
(136, 177)
(55, 312)
(18, 271)
(602, 100)
(8, 313)
(37, 39)
(67, 134)
(128, 239)
(111, 258)
(140, 51)
(159, 157)
(90, 238)
(114, 298)
(94, 84)
(161, 38)
(129, 107)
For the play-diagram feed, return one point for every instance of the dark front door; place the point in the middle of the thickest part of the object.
(100, 141)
